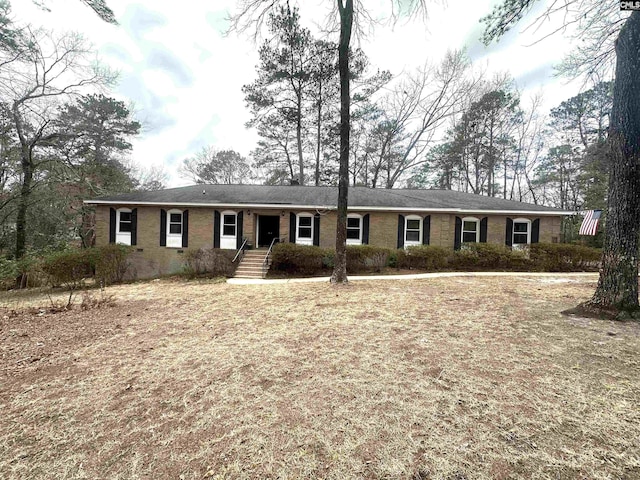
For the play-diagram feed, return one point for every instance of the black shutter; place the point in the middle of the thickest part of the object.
(239, 229)
(134, 226)
(112, 225)
(216, 229)
(163, 228)
(400, 231)
(483, 229)
(426, 230)
(535, 231)
(292, 227)
(185, 229)
(316, 229)
(508, 238)
(365, 229)
(457, 234)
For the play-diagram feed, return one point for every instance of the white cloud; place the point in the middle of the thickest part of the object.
(185, 77)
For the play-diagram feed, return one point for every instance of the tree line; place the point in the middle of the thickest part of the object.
(62, 138)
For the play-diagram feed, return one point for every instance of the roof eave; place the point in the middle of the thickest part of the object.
(271, 206)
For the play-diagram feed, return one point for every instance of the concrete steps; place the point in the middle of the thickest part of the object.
(251, 264)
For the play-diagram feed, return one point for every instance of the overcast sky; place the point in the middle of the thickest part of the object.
(183, 75)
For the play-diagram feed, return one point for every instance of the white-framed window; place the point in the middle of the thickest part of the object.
(412, 230)
(228, 229)
(304, 229)
(521, 232)
(470, 230)
(354, 229)
(124, 226)
(174, 228)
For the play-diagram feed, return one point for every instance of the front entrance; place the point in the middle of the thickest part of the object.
(268, 229)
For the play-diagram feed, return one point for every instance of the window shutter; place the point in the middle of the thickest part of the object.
(426, 230)
(508, 239)
(163, 228)
(292, 227)
(457, 234)
(316, 229)
(185, 229)
(400, 231)
(216, 229)
(483, 229)
(239, 220)
(112, 225)
(535, 231)
(134, 226)
(365, 229)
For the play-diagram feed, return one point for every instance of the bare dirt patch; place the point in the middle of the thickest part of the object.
(452, 378)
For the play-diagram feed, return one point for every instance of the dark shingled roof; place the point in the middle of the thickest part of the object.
(323, 197)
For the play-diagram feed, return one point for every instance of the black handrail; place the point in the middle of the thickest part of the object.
(265, 263)
(240, 250)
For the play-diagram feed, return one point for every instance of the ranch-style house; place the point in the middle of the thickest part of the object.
(163, 224)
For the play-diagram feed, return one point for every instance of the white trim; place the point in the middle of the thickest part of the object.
(123, 237)
(462, 230)
(228, 242)
(514, 233)
(271, 206)
(411, 243)
(355, 241)
(174, 240)
(304, 240)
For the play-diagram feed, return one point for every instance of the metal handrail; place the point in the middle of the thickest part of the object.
(265, 263)
(240, 250)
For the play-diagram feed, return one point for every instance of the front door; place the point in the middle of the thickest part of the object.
(268, 229)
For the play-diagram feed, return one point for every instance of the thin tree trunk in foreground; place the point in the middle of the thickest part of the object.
(346, 21)
(618, 283)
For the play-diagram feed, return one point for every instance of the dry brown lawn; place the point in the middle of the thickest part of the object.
(452, 378)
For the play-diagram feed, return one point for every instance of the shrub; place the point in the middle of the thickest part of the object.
(110, 262)
(364, 258)
(564, 257)
(306, 259)
(68, 269)
(486, 256)
(209, 262)
(423, 257)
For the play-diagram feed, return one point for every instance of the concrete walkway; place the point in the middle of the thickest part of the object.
(413, 276)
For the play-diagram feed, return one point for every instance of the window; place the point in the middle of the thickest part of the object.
(174, 230)
(228, 229)
(229, 225)
(413, 230)
(124, 226)
(304, 231)
(354, 229)
(521, 231)
(470, 230)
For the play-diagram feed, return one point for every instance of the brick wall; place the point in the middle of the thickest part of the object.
(152, 260)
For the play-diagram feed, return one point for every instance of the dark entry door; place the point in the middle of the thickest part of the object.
(268, 229)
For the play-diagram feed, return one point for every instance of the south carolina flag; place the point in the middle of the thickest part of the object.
(590, 223)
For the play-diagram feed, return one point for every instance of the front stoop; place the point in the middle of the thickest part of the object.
(251, 264)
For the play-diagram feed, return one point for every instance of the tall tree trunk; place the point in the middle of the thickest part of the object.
(23, 202)
(319, 133)
(618, 283)
(299, 141)
(346, 22)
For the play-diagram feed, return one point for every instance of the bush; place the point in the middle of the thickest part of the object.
(365, 258)
(68, 269)
(423, 257)
(110, 262)
(564, 257)
(488, 256)
(304, 259)
(209, 262)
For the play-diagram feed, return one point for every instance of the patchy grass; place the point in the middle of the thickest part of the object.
(451, 378)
